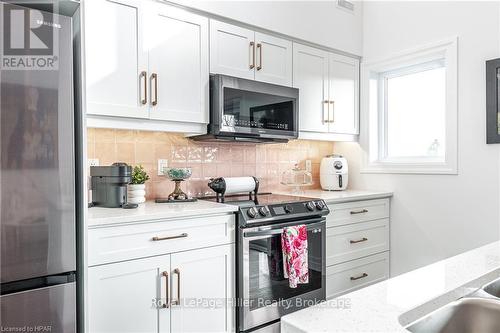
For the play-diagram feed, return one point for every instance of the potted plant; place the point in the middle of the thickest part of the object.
(136, 191)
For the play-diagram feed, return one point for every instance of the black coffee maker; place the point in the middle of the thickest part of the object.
(109, 185)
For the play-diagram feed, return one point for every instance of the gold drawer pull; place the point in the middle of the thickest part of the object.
(364, 239)
(363, 211)
(362, 276)
(156, 238)
(165, 274)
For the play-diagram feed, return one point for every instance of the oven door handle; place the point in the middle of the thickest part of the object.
(314, 227)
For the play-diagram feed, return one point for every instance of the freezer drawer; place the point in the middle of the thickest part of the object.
(50, 309)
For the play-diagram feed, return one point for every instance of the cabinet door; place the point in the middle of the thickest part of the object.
(273, 62)
(344, 87)
(178, 62)
(310, 75)
(128, 296)
(116, 58)
(232, 50)
(203, 275)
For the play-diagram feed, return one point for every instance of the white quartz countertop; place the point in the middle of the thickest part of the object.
(99, 216)
(343, 196)
(391, 305)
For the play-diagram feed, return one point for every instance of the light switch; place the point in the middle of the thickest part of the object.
(308, 166)
(162, 164)
(92, 162)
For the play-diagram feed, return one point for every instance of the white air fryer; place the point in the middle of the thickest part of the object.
(333, 173)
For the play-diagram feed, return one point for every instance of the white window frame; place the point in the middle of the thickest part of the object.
(373, 137)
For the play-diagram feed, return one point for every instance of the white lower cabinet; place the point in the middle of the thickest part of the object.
(122, 296)
(203, 281)
(189, 291)
(357, 245)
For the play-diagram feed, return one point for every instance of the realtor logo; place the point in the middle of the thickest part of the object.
(28, 39)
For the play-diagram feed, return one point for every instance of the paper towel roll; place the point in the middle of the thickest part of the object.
(239, 184)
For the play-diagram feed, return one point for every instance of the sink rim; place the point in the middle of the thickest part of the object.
(466, 300)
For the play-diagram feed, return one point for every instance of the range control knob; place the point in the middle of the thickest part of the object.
(263, 211)
(288, 209)
(252, 212)
(310, 205)
(320, 205)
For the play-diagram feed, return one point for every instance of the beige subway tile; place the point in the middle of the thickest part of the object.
(105, 135)
(144, 153)
(125, 152)
(250, 154)
(236, 170)
(90, 134)
(105, 152)
(125, 136)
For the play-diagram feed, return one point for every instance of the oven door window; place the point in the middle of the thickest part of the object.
(247, 111)
(267, 283)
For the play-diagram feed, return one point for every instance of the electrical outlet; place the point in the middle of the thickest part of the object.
(308, 165)
(92, 162)
(161, 165)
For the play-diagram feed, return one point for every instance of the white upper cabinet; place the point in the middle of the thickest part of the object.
(116, 59)
(273, 62)
(310, 76)
(178, 64)
(344, 85)
(203, 274)
(232, 50)
(243, 53)
(328, 94)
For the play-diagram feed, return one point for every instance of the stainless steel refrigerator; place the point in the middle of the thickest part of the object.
(37, 175)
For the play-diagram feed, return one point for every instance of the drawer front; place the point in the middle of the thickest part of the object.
(356, 274)
(357, 211)
(125, 242)
(356, 240)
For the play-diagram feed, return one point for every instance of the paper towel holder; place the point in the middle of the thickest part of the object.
(221, 188)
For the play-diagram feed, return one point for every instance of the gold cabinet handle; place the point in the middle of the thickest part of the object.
(178, 273)
(325, 114)
(355, 212)
(259, 49)
(156, 238)
(354, 278)
(332, 118)
(154, 88)
(364, 239)
(165, 274)
(144, 77)
(252, 49)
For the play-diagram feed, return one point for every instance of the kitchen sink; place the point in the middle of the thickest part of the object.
(466, 315)
(493, 288)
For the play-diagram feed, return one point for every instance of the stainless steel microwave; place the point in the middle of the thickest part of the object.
(247, 110)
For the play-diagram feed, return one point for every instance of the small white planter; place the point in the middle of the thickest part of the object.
(136, 193)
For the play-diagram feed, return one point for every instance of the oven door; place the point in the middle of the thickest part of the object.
(264, 293)
(253, 109)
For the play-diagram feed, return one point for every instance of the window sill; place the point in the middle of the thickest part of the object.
(417, 169)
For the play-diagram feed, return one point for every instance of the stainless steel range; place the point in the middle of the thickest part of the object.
(263, 292)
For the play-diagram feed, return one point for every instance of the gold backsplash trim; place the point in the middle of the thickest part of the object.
(208, 160)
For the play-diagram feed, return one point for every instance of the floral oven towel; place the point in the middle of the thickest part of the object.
(294, 247)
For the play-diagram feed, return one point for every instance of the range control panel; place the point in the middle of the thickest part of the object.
(273, 213)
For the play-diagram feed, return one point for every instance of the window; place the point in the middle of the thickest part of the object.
(411, 112)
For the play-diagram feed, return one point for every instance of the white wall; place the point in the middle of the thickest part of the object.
(320, 22)
(436, 216)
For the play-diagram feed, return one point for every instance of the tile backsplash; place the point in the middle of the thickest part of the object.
(207, 160)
